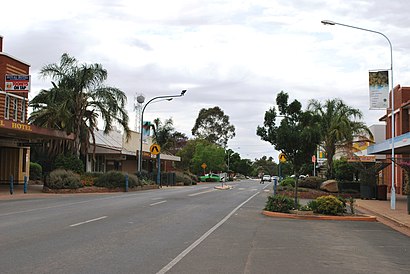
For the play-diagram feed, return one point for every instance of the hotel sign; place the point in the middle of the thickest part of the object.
(13, 125)
(17, 83)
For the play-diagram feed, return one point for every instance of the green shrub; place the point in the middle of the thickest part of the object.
(279, 203)
(144, 175)
(70, 162)
(36, 171)
(182, 177)
(288, 181)
(313, 205)
(114, 179)
(343, 170)
(88, 178)
(312, 182)
(285, 188)
(305, 208)
(351, 204)
(64, 179)
(328, 205)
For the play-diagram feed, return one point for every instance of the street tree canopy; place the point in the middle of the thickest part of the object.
(339, 128)
(211, 154)
(77, 99)
(297, 135)
(213, 125)
(167, 137)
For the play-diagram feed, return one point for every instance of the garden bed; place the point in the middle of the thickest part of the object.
(307, 193)
(95, 189)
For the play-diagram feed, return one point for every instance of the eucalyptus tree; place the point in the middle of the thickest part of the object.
(77, 100)
(339, 128)
(213, 124)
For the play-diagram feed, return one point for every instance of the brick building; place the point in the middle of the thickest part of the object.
(401, 140)
(16, 134)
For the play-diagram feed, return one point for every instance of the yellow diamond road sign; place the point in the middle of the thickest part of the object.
(155, 149)
(282, 157)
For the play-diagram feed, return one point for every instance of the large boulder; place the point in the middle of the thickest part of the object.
(329, 186)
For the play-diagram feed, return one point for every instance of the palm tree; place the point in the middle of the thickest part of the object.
(164, 133)
(76, 101)
(338, 127)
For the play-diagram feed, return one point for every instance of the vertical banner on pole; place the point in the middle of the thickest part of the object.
(146, 131)
(379, 89)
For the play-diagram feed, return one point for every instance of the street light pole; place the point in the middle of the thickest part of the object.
(142, 124)
(393, 188)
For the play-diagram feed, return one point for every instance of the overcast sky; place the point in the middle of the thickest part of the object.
(229, 53)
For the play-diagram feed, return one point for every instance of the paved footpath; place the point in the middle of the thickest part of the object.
(397, 218)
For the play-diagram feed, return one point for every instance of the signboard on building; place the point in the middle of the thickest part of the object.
(379, 89)
(17, 83)
(363, 159)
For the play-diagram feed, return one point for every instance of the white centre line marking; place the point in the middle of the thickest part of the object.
(171, 264)
(89, 221)
(199, 193)
(157, 203)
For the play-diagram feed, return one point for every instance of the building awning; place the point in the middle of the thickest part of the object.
(401, 145)
(15, 130)
(168, 157)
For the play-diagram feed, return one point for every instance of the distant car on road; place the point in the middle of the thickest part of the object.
(211, 177)
(266, 178)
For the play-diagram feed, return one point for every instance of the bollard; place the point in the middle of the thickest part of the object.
(25, 184)
(275, 183)
(11, 185)
(126, 182)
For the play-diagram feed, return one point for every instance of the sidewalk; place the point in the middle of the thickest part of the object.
(396, 218)
(33, 191)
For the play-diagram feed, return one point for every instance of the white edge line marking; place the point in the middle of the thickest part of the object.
(202, 238)
(157, 203)
(203, 192)
(89, 221)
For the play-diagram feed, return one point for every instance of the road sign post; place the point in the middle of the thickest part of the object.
(314, 164)
(282, 159)
(156, 150)
(204, 167)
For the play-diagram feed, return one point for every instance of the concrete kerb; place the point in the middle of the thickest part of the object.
(363, 218)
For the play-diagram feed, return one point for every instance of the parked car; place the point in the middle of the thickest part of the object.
(266, 178)
(211, 177)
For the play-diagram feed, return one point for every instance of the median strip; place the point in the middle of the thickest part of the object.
(89, 221)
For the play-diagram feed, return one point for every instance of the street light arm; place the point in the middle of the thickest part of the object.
(160, 97)
(142, 122)
(331, 23)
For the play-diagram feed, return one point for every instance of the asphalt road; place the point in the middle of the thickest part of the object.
(194, 229)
